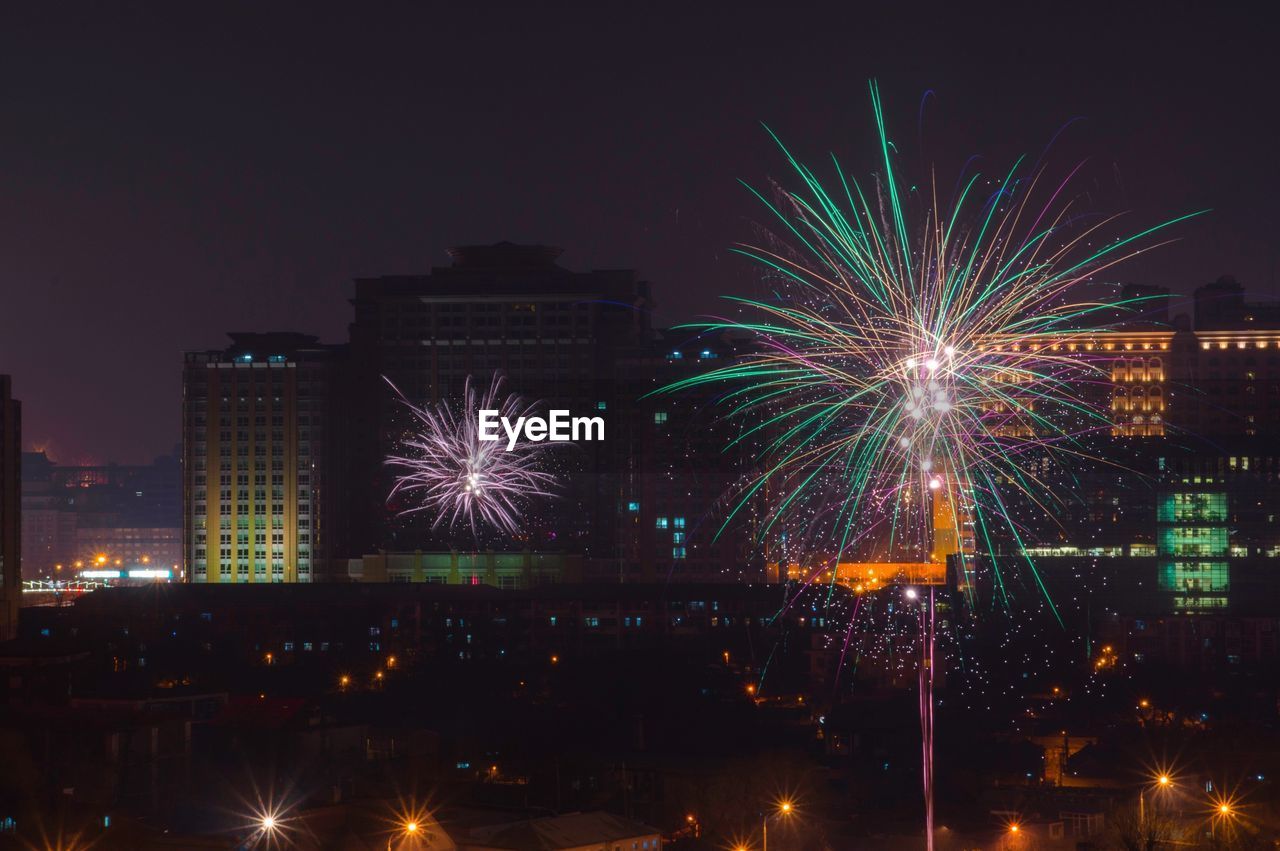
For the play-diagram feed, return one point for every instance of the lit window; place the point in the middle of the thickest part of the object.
(633, 507)
(659, 417)
(678, 523)
(677, 552)
(660, 523)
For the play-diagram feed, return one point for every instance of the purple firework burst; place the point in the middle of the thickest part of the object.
(458, 478)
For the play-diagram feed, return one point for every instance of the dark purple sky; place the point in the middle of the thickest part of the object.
(167, 175)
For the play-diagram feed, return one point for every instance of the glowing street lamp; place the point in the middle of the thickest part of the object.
(785, 808)
(268, 826)
(408, 829)
(1223, 811)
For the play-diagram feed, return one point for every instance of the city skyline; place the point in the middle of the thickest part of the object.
(663, 124)
(931, 362)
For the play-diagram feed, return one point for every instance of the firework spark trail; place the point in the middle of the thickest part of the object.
(914, 352)
(889, 368)
(926, 671)
(458, 478)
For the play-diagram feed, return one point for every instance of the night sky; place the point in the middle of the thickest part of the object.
(166, 176)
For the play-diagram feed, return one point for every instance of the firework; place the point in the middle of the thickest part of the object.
(458, 479)
(917, 364)
(918, 374)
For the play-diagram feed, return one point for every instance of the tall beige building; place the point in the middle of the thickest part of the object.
(256, 471)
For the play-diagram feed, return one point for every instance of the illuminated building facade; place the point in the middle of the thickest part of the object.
(258, 473)
(10, 509)
(506, 571)
(1192, 546)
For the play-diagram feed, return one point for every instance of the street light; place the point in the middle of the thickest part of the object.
(409, 828)
(785, 808)
(1223, 811)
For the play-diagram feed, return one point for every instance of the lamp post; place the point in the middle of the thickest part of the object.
(785, 808)
(1223, 812)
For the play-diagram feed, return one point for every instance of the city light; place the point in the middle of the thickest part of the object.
(268, 826)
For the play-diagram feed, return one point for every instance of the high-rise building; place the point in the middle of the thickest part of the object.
(554, 333)
(10, 509)
(681, 473)
(258, 472)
